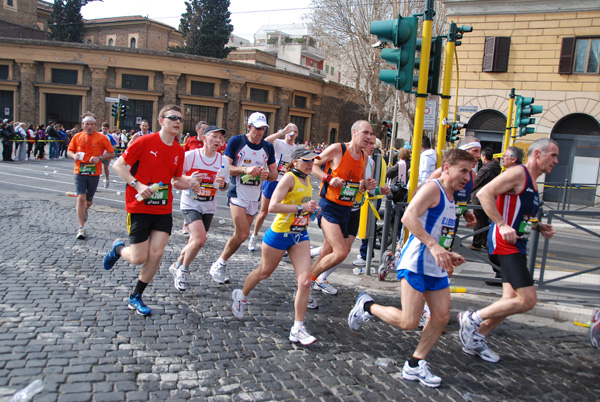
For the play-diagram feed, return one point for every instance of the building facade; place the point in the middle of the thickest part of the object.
(548, 50)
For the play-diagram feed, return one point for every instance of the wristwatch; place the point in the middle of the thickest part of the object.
(300, 208)
(133, 183)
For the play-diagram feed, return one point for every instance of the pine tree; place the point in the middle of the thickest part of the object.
(56, 21)
(66, 21)
(206, 27)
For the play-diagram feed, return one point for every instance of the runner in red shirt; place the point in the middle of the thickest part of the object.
(195, 142)
(152, 166)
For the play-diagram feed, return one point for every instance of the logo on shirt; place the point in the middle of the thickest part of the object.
(177, 157)
(155, 153)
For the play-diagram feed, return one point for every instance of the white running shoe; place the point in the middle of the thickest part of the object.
(358, 315)
(359, 262)
(218, 272)
(179, 277)
(425, 316)
(301, 335)
(325, 287)
(312, 304)
(185, 229)
(595, 329)
(467, 329)
(237, 307)
(422, 373)
(81, 234)
(482, 350)
(252, 242)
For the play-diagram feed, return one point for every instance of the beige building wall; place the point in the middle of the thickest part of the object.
(535, 48)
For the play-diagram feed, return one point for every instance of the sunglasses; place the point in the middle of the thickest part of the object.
(174, 118)
(260, 128)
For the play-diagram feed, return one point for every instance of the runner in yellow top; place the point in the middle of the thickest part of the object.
(292, 203)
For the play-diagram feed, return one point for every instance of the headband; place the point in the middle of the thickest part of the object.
(470, 145)
(89, 119)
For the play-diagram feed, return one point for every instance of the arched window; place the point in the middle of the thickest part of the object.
(111, 42)
(132, 43)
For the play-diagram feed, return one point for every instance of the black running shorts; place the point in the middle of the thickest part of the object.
(514, 269)
(140, 226)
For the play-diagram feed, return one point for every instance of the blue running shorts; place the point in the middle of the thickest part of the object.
(423, 283)
(285, 240)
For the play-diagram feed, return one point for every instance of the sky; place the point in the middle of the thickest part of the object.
(247, 16)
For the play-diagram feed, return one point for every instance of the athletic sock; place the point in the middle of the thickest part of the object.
(314, 278)
(367, 306)
(182, 267)
(476, 317)
(118, 249)
(222, 261)
(139, 289)
(414, 362)
(298, 325)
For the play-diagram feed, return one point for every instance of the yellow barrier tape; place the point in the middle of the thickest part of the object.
(368, 198)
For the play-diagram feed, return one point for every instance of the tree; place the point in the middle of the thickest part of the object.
(66, 21)
(206, 27)
(342, 28)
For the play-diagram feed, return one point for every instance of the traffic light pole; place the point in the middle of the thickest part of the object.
(421, 98)
(446, 88)
(509, 120)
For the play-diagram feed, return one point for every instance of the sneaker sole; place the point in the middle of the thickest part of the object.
(326, 291)
(138, 311)
(474, 353)
(293, 339)
(411, 377)
(462, 333)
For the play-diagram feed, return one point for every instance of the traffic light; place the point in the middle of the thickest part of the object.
(123, 111)
(115, 110)
(402, 32)
(526, 108)
(453, 130)
(388, 128)
(435, 62)
(455, 32)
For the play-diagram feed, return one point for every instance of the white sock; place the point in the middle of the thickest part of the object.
(222, 261)
(323, 277)
(298, 325)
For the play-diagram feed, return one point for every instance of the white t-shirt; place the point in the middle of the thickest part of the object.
(205, 170)
(283, 156)
(426, 164)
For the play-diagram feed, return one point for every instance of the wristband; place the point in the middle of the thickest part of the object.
(327, 178)
(244, 170)
(377, 191)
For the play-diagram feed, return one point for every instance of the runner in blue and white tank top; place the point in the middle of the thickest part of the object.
(424, 266)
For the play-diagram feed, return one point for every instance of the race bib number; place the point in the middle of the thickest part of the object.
(527, 224)
(349, 191)
(207, 192)
(461, 208)
(87, 169)
(447, 236)
(282, 167)
(160, 196)
(300, 223)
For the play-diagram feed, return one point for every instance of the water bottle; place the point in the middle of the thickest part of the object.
(70, 194)
(190, 191)
(245, 178)
(154, 188)
(221, 171)
(358, 271)
(28, 392)
(315, 213)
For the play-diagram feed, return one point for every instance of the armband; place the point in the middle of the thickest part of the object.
(327, 178)
(377, 191)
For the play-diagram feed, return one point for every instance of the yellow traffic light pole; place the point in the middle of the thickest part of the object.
(509, 120)
(421, 98)
(448, 64)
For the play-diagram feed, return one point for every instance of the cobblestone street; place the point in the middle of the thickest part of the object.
(64, 319)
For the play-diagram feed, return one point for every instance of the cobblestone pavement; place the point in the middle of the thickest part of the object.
(64, 319)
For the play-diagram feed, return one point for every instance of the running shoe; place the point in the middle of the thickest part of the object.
(86, 215)
(106, 183)
(111, 257)
(179, 277)
(421, 373)
(481, 349)
(81, 234)
(325, 287)
(252, 242)
(136, 303)
(425, 316)
(595, 329)
(467, 329)
(185, 229)
(358, 315)
(359, 262)
(315, 251)
(218, 272)
(302, 336)
(237, 307)
(312, 304)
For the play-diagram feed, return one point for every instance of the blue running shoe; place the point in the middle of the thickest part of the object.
(111, 258)
(136, 303)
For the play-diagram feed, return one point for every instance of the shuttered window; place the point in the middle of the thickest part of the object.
(579, 55)
(495, 54)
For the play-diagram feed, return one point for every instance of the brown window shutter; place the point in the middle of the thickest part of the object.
(495, 54)
(488, 55)
(567, 51)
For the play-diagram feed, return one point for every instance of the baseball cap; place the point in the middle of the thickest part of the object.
(300, 152)
(212, 129)
(257, 120)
